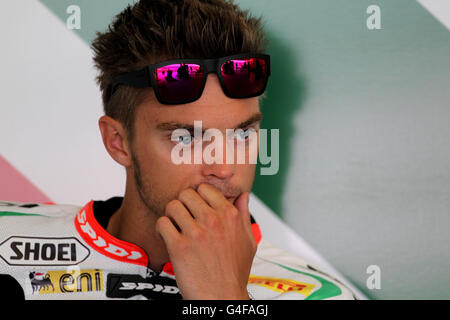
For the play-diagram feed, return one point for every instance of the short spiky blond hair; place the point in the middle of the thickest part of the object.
(151, 31)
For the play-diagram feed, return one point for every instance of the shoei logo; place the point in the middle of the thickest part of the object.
(29, 251)
(282, 285)
(66, 281)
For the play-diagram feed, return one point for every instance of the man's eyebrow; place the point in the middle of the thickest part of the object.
(171, 126)
(257, 117)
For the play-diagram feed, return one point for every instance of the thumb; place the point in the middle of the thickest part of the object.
(241, 204)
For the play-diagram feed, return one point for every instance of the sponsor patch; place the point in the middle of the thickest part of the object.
(128, 285)
(66, 281)
(35, 251)
(282, 285)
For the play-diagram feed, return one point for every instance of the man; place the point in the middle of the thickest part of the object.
(181, 230)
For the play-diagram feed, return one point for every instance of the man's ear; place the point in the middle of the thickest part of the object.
(115, 140)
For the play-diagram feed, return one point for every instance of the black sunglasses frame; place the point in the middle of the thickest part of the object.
(144, 78)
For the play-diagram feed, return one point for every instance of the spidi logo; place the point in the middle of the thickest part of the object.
(103, 242)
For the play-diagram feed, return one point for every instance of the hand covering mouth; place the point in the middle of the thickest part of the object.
(230, 192)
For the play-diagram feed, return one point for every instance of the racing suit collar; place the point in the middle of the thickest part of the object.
(91, 227)
(103, 242)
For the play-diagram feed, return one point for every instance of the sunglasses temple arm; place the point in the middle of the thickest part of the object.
(137, 79)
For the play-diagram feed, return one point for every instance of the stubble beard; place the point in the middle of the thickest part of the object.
(151, 199)
(155, 202)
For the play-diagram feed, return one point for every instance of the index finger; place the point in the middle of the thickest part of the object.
(212, 196)
(194, 202)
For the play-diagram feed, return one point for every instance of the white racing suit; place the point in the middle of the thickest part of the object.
(64, 252)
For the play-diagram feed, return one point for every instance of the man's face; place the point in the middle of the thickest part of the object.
(158, 179)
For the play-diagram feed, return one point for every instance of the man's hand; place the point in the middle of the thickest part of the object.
(210, 243)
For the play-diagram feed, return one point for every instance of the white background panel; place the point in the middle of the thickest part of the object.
(439, 9)
(50, 105)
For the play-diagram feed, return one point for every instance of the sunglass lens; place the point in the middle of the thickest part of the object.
(178, 83)
(244, 77)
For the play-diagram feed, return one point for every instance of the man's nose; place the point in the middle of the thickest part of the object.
(216, 160)
(218, 170)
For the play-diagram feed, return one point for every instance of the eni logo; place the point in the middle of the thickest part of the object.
(67, 281)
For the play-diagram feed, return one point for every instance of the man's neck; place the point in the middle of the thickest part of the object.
(133, 223)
